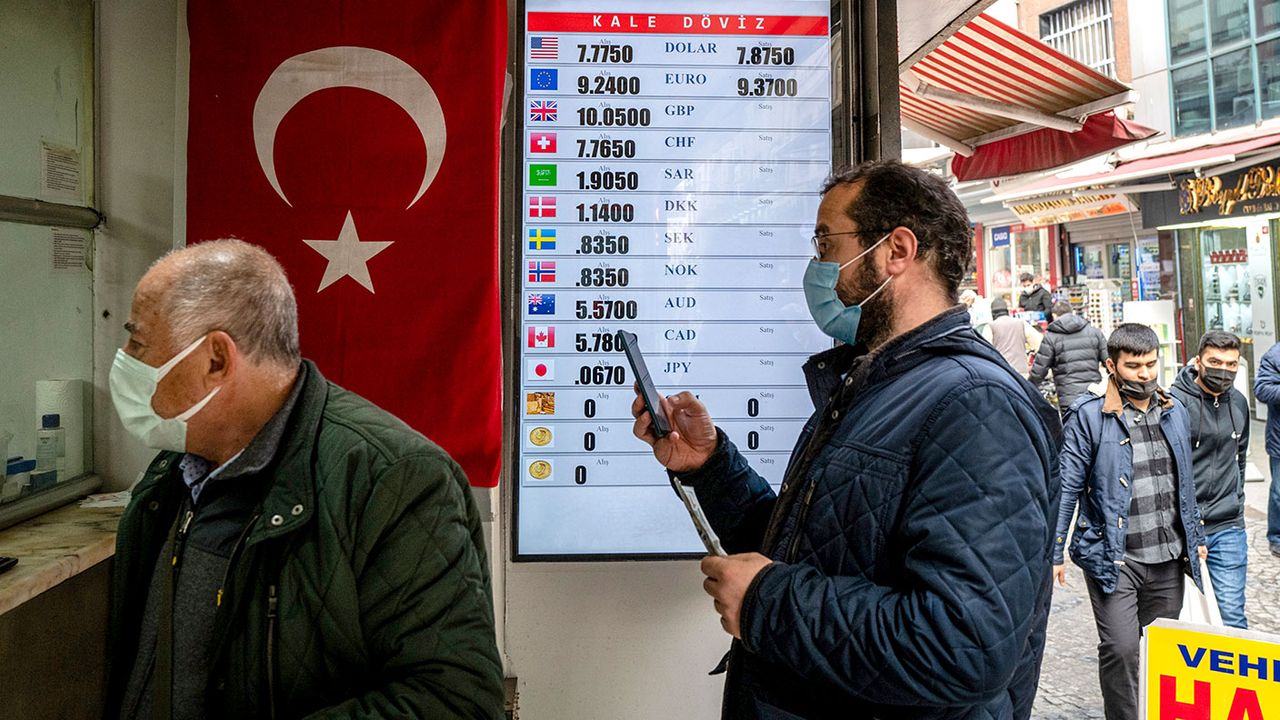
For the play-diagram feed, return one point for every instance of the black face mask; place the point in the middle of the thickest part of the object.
(1135, 390)
(1217, 380)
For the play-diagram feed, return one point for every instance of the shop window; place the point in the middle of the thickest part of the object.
(1119, 262)
(1191, 99)
(1228, 22)
(1266, 16)
(46, 280)
(1186, 29)
(1269, 77)
(1233, 90)
(1225, 265)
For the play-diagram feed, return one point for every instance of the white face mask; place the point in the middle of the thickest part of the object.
(133, 385)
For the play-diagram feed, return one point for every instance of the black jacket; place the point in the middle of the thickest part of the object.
(1219, 446)
(1072, 349)
(1037, 299)
(911, 547)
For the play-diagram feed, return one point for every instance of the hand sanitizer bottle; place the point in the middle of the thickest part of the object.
(51, 444)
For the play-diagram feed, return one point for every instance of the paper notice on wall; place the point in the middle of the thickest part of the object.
(70, 250)
(60, 173)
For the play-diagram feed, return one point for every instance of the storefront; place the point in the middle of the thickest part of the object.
(1223, 226)
(1012, 250)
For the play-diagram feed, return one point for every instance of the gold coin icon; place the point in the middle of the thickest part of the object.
(540, 469)
(540, 436)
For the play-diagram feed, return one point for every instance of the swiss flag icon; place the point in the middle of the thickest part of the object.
(542, 142)
(542, 336)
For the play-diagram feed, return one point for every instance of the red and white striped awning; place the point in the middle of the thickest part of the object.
(989, 82)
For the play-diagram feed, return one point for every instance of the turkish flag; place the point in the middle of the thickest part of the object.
(358, 143)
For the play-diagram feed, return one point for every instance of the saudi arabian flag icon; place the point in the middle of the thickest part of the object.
(541, 175)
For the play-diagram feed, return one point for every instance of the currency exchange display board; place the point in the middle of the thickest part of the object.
(673, 153)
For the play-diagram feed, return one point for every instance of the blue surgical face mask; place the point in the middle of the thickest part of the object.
(133, 385)
(833, 317)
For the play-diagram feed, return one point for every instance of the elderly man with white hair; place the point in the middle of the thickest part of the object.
(293, 550)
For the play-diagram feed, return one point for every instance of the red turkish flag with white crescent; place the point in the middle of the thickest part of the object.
(358, 142)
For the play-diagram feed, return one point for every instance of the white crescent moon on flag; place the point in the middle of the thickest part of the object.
(354, 67)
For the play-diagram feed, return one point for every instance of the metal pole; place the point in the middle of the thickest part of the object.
(39, 212)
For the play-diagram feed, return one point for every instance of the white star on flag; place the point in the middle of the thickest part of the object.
(347, 256)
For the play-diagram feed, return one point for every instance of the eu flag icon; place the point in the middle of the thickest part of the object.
(544, 78)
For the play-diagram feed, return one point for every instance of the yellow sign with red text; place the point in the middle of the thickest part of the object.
(1200, 672)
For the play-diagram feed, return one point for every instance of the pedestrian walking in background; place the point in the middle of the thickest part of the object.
(979, 312)
(1219, 416)
(1013, 337)
(1126, 460)
(1035, 297)
(1266, 387)
(1075, 351)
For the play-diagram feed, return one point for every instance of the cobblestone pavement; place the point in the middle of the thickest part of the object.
(1069, 676)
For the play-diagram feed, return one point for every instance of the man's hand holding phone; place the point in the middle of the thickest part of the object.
(693, 434)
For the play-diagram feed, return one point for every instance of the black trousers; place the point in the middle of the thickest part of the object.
(1143, 593)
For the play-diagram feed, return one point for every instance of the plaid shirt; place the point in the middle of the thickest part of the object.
(1155, 532)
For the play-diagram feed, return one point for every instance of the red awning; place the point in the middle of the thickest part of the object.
(989, 82)
(1009, 104)
(1159, 165)
(1046, 149)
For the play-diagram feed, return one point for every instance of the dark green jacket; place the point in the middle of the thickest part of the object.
(370, 542)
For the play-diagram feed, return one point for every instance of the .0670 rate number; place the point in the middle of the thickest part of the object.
(602, 375)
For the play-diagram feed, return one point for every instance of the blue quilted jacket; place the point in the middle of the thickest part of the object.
(911, 539)
(1097, 465)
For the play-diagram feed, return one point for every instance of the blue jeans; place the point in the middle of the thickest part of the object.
(1228, 563)
(1273, 506)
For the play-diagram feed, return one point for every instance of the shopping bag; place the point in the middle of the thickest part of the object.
(1200, 607)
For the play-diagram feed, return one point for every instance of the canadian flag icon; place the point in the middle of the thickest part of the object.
(542, 336)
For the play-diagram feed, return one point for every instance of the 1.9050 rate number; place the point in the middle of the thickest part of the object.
(608, 180)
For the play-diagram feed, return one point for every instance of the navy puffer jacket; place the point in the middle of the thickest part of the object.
(911, 539)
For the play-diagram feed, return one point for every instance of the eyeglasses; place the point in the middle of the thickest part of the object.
(817, 239)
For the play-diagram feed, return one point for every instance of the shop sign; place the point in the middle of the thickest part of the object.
(1000, 236)
(1058, 210)
(1200, 671)
(1255, 191)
